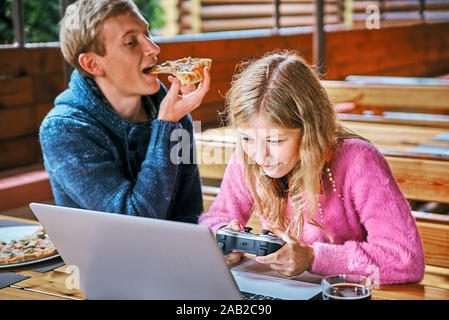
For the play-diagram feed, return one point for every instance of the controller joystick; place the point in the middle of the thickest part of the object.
(247, 229)
(244, 241)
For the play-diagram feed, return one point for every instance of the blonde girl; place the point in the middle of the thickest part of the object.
(327, 192)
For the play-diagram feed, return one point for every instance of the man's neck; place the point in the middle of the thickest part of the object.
(129, 107)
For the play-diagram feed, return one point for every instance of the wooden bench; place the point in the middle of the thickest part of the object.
(380, 96)
(394, 100)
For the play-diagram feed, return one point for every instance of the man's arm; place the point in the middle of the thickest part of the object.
(79, 158)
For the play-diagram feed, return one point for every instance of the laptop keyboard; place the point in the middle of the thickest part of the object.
(253, 296)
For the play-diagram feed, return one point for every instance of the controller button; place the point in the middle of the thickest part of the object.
(221, 237)
(221, 245)
(262, 252)
(264, 244)
(265, 232)
(248, 229)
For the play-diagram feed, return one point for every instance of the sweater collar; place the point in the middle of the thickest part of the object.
(91, 99)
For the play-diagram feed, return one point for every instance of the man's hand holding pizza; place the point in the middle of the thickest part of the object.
(176, 105)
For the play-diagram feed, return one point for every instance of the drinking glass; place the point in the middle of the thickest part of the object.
(346, 287)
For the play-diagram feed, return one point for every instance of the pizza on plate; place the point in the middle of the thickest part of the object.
(31, 247)
(187, 70)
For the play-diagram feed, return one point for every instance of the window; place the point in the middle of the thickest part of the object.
(40, 19)
(6, 27)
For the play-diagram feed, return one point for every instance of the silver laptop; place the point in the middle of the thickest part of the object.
(125, 257)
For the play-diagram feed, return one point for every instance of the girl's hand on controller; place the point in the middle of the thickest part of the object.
(233, 257)
(292, 259)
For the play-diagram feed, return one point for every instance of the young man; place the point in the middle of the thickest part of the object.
(106, 143)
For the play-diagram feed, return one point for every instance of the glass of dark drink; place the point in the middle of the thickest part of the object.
(346, 287)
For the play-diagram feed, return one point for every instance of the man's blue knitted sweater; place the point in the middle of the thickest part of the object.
(99, 161)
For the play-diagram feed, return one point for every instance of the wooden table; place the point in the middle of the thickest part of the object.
(51, 285)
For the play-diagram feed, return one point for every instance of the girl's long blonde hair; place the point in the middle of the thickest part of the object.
(283, 88)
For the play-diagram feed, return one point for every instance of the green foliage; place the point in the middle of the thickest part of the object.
(42, 18)
(6, 33)
(152, 12)
(41, 21)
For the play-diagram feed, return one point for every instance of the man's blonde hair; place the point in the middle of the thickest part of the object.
(82, 24)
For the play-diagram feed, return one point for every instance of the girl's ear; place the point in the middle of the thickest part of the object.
(89, 62)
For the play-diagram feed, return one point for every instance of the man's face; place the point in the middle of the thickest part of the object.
(129, 50)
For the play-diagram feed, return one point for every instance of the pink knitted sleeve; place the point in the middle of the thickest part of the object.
(393, 250)
(233, 201)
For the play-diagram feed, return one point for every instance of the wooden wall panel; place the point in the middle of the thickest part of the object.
(19, 152)
(30, 80)
(32, 77)
(30, 61)
(16, 92)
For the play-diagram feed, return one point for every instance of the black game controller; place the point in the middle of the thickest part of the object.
(245, 241)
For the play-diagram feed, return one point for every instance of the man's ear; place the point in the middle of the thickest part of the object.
(89, 62)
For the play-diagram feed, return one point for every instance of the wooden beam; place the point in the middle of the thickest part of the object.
(394, 81)
(411, 96)
(195, 13)
(348, 16)
(421, 179)
(67, 68)
(171, 17)
(18, 22)
(319, 38)
(277, 15)
(435, 239)
(399, 118)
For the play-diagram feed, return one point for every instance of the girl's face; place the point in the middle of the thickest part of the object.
(274, 149)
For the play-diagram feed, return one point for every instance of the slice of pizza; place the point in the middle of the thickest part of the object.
(36, 245)
(187, 70)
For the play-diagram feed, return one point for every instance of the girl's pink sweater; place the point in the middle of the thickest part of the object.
(371, 223)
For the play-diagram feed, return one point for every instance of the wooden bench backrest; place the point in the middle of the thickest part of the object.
(419, 97)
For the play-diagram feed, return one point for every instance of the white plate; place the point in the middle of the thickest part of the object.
(16, 233)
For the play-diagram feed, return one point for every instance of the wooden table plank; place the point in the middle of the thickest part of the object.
(437, 277)
(52, 282)
(410, 291)
(17, 294)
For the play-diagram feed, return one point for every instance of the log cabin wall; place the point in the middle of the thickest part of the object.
(224, 15)
(195, 16)
(31, 77)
